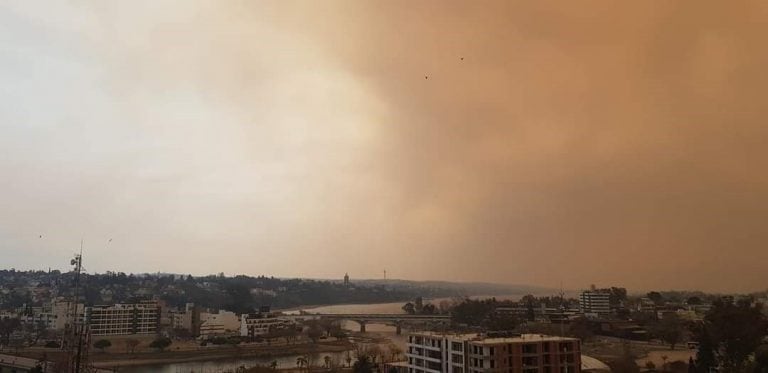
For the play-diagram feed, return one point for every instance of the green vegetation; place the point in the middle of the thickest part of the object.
(131, 344)
(732, 333)
(161, 343)
(238, 294)
(102, 344)
(482, 313)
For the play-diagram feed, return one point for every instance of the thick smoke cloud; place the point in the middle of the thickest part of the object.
(589, 142)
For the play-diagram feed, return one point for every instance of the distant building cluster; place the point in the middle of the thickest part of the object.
(151, 317)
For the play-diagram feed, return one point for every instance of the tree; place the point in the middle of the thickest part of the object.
(409, 308)
(737, 329)
(290, 334)
(363, 365)
(36, 331)
(102, 344)
(7, 327)
(301, 362)
(181, 333)
(500, 322)
(348, 359)
(131, 344)
(375, 353)
(693, 301)
(670, 329)
(394, 351)
(705, 355)
(761, 359)
(314, 332)
(530, 314)
(419, 304)
(691, 365)
(339, 334)
(656, 298)
(161, 343)
(428, 309)
(626, 362)
(580, 329)
(617, 296)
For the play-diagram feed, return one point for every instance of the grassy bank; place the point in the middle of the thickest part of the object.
(110, 359)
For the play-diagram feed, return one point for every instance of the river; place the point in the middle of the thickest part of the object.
(289, 361)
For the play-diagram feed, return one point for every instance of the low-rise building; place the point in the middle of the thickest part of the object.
(187, 319)
(259, 324)
(473, 353)
(219, 323)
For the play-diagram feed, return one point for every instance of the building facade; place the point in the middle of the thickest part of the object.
(473, 353)
(124, 319)
(219, 323)
(259, 324)
(595, 303)
(187, 319)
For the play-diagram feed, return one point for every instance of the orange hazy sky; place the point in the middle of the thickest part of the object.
(535, 142)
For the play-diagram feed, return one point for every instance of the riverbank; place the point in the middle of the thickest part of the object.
(112, 360)
(224, 353)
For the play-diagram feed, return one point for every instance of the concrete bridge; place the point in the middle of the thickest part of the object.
(396, 320)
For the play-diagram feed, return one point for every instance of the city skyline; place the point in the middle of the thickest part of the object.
(502, 142)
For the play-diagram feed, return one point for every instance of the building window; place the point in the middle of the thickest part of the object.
(530, 348)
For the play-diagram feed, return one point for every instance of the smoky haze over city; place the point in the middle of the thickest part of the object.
(532, 143)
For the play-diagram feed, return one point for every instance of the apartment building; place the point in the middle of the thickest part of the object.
(61, 314)
(124, 319)
(258, 324)
(474, 353)
(218, 323)
(595, 303)
(187, 319)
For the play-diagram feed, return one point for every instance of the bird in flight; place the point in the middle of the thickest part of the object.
(110, 240)
(41, 236)
(426, 76)
(462, 58)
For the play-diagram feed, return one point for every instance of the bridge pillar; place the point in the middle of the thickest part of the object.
(362, 326)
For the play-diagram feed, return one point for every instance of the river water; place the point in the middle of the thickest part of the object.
(289, 361)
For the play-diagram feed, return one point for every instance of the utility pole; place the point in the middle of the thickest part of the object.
(77, 338)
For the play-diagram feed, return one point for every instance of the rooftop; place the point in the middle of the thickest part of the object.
(526, 338)
(485, 339)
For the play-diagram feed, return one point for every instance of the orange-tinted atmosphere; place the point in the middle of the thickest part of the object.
(518, 142)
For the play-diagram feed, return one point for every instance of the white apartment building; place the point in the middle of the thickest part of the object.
(220, 323)
(474, 353)
(595, 303)
(124, 319)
